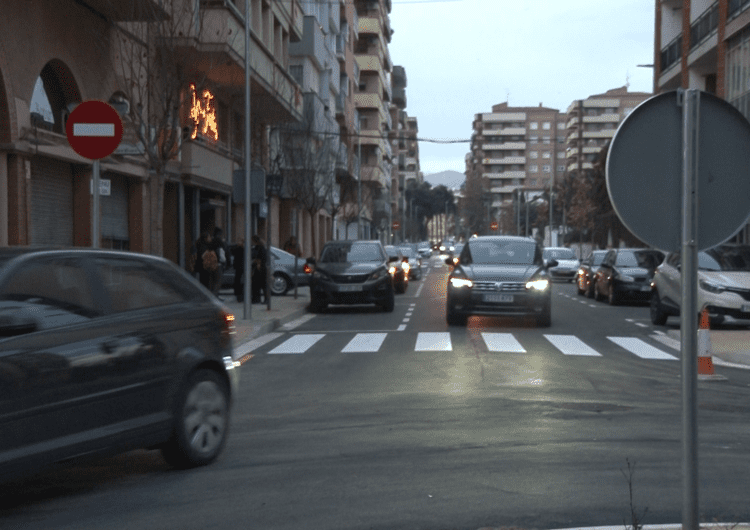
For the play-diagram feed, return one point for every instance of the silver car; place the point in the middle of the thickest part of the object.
(415, 261)
(283, 273)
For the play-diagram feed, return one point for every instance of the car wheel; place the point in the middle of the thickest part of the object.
(658, 316)
(544, 320)
(590, 291)
(317, 305)
(614, 296)
(597, 295)
(280, 284)
(201, 421)
(390, 303)
(453, 318)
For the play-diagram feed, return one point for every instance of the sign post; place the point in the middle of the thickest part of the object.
(94, 130)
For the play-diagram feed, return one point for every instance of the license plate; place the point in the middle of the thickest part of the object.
(498, 298)
(350, 288)
(646, 288)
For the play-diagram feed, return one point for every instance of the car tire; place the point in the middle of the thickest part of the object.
(280, 284)
(201, 421)
(590, 291)
(389, 303)
(656, 311)
(597, 295)
(316, 305)
(614, 297)
(544, 320)
(453, 318)
(580, 291)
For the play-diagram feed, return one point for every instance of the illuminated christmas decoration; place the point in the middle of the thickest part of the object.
(203, 114)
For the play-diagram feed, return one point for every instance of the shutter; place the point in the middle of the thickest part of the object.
(51, 202)
(114, 209)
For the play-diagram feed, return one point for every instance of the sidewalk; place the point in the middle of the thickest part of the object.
(728, 345)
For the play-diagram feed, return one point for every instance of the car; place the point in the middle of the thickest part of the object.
(626, 273)
(446, 247)
(424, 249)
(352, 272)
(415, 261)
(499, 276)
(723, 284)
(586, 272)
(105, 351)
(456, 252)
(399, 269)
(567, 263)
(284, 273)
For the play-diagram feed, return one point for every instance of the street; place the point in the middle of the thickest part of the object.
(361, 419)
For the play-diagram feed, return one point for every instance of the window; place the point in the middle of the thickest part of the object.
(547, 169)
(561, 169)
(546, 139)
(546, 126)
(546, 154)
(533, 126)
(533, 168)
(560, 125)
(560, 155)
(533, 140)
(533, 154)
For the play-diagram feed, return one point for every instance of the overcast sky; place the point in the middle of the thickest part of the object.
(463, 56)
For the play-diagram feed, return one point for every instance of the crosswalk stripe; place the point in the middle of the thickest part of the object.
(641, 349)
(504, 342)
(436, 341)
(297, 344)
(247, 347)
(572, 345)
(365, 342)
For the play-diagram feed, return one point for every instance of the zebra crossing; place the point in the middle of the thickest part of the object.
(569, 345)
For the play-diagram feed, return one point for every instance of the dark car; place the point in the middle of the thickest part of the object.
(626, 273)
(104, 351)
(587, 271)
(283, 273)
(351, 272)
(399, 268)
(499, 276)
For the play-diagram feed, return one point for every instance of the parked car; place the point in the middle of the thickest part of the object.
(626, 273)
(282, 280)
(352, 272)
(587, 271)
(399, 268)
(104, 351)
(567, 263)
(499, 275)
(415, 261)
(723, 284)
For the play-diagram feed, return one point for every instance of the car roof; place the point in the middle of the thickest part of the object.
(504, 238)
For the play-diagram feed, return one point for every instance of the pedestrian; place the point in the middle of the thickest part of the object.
(293, 247)
(238, 262)
(258, 254)
(222, 254)
(206, 261)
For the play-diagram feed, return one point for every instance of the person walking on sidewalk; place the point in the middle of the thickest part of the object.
(238, 262)
(258, 254)
(205, 259)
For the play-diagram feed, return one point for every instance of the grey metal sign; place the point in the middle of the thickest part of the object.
(644, 171)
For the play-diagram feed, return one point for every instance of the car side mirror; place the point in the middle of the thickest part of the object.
(551, 263)
(449, 261)
(391, 259)
(17, 323)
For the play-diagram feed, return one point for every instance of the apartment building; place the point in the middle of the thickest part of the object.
(705, 44)
(372, 99)
(172, 176)
(515, 148)
(590, 125)
(398, 145)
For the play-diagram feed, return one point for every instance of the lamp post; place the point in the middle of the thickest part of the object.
(274, 182)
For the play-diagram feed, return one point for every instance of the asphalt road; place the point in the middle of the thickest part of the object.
(358, 419)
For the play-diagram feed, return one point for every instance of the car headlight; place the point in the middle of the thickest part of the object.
(711, 287)
(540, 284)
(378, 274)
(320, 275)
(460, 281)
(392, 270)
(624, 278)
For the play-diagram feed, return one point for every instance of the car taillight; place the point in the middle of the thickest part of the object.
(307, 268)
(228, 328)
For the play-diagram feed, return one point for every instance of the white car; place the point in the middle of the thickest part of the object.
(723, 284)
(567, 263)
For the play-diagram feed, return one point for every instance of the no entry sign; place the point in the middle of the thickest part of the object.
(94, 129)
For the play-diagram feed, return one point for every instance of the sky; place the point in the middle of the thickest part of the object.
(463, 56)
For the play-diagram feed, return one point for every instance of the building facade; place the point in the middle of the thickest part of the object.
(705, 44)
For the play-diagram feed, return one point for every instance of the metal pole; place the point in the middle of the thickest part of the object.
(359, 186)
(95, 207)
(247, 306)
(268, 253)
(691, 114)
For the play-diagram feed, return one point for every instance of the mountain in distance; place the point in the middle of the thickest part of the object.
(449, 179)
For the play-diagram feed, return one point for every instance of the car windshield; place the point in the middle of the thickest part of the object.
(407, 251)
(725, 258)
(502, 252)
(647, 259)
(597, 258)
(351, 252)
(558, 253)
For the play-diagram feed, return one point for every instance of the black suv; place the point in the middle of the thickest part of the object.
(499, 276)
(351, 272)
(104, 351)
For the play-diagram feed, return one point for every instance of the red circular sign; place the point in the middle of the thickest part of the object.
(493, 225)
(94, 129)
(396, 225)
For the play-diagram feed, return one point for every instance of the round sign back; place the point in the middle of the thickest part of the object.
(94, 129)
(644, 171)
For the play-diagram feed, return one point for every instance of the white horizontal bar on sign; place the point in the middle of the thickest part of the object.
(93, 129)
(641, 349)
(572, 345)
(503, 342)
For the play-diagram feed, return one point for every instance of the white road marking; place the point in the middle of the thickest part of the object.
(641, 349)
(365, 342)
(94, 129)
(666, 340)
(247, 347)
(641, 324)
(439, 341)
(402, 327)
(296, 323)
(297, 344)
(572, 345)
(504, 342)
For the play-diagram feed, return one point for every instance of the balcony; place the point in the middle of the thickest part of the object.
(312, 44)
(704, 26)
(506, 160)
(604, 133)
(671, 54)
(515, 131)
(201, 160)
(505, 175)
(133, 11)
(602, 118)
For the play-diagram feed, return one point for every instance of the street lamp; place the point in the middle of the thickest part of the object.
(274, 183)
